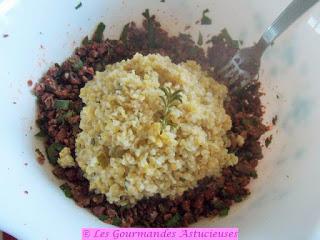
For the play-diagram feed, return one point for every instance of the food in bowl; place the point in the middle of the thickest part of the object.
(142, 131)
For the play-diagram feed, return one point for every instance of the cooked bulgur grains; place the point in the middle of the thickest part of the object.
(59, 117)
(125, 148)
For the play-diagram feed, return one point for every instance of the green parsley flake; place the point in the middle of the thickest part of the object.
(116, 221)
(174, 221)
(200, 39)
(150, 29)
(53, 152)
(205, 20)
(124, 33)
(78, 6)
(61, 104)
(66, 189)
(98, 34)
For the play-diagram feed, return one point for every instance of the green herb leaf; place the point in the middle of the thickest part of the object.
(64, 117)
(78, 6)
(125, 207)
(169, 100)
(61, 104)
(150, 29)
(124, 33)
(53, 152)
(193, 51)
(116, 221)
(77, 63)
(41, 133)
(227, 38)
(103, 217)
(249, 122)
(224, 212)
(200, 39)
(162, 1)
(66, 189)
(174, 221)
(237, 198)
(85, 41)
(98, 34)
(253, 174)
(205, 20)
(185, 36)
(268, 141)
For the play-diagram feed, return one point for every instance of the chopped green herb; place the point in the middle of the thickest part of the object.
(200, 39)
(275, 120)
(205, 20)
(224, 193)
(150, 29)
(219, 205)
(62, 104)
(41, 133)
(185, 36)
(103, 217)
(224, 212)
(174, 221)
(268, 141)
(85, 41)
(227, 38)
(62, 118)
(193, 51)
(98, 34)
(77, 64)
(66, 189)
(238, 198)
(53, 152)
(116, 221)
(253, 174)
(124, 33)
(78, 6)
(249, 121)
(169, 100)
(122, 208)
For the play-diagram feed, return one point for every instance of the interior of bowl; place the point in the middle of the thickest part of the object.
(41, 33)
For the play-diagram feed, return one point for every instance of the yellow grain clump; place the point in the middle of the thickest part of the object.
(123, 149)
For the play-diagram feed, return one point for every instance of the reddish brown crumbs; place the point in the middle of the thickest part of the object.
(29, 82)
(5, 35)
(40, 157)
(59, 116)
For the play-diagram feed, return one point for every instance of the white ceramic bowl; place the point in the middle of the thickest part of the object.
(284, 203)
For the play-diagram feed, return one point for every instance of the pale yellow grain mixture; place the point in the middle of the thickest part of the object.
(122, 149)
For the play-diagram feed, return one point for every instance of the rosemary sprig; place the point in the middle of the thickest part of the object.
(169, 100)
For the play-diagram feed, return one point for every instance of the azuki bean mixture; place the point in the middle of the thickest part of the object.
(58, 118)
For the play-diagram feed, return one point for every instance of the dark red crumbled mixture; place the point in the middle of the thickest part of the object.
(212, 196)
(29, 82)
(40, 157)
